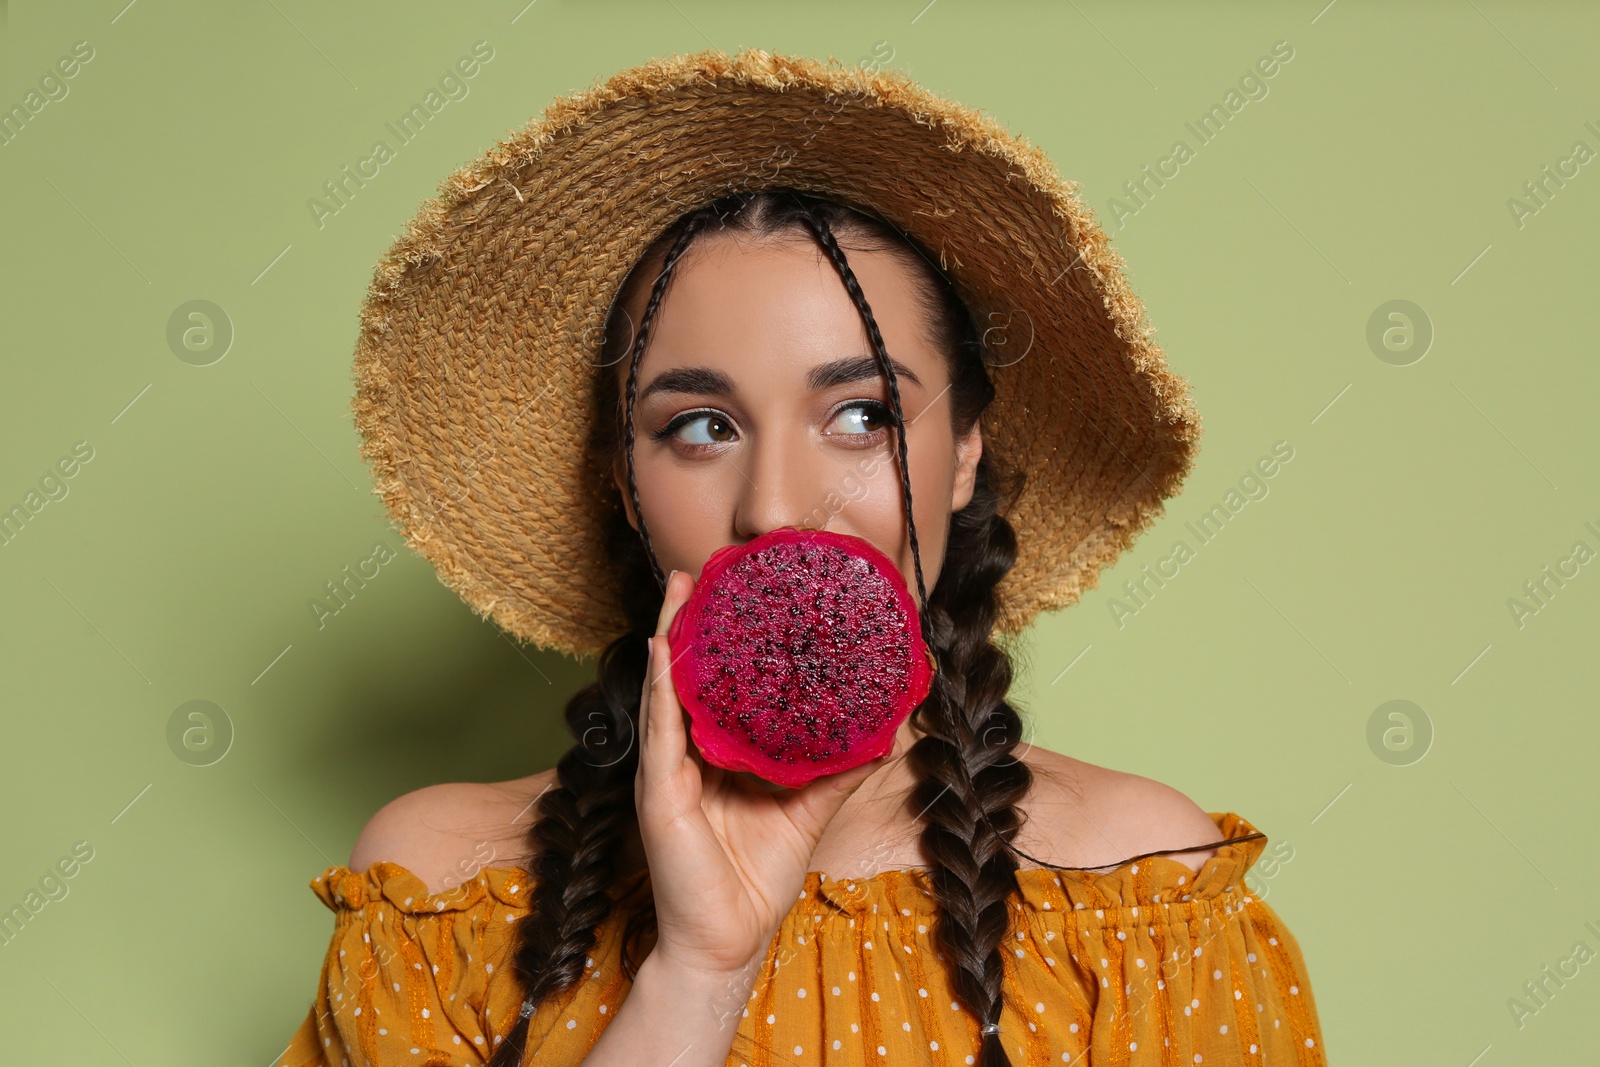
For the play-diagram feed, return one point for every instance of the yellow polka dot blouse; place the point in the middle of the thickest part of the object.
(1147, 963)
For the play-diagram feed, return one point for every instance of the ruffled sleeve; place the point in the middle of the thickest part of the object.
(1156, 962)
(1148, 963)
(410, 977)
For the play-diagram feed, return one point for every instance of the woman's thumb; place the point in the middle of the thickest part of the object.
(822, 798)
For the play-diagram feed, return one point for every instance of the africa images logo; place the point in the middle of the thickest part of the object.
(340, 190)
(1252, 485)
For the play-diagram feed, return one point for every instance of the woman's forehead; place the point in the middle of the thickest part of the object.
(765, 311)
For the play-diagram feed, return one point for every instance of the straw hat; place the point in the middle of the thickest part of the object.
(480, 329)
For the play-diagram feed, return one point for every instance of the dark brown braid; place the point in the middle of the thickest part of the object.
(968, 782)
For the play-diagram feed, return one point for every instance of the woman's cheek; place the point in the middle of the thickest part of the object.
(876, 512)
(932, 483)
(687, 508)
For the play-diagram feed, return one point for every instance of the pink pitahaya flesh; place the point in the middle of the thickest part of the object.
(798, 654)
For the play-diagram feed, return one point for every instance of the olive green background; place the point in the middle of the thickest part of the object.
(1378, 566)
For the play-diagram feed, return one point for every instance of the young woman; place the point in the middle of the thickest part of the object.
(780, 357)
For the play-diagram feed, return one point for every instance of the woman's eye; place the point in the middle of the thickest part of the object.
(705, 429)
(863, 418)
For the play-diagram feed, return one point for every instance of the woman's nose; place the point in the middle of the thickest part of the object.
(781, 486)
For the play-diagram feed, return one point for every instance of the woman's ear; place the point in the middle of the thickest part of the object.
(969, 449)
(619, 474)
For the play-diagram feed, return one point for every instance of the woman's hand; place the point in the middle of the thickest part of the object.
(727, 857)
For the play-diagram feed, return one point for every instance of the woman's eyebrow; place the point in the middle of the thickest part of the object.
(689, 380)
(709, 382)
(853, 369)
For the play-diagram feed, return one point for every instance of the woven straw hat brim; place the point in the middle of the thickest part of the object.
(480, 329)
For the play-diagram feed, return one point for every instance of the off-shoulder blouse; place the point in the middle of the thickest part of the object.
(1150, 962)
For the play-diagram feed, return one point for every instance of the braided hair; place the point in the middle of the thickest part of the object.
(968, 783)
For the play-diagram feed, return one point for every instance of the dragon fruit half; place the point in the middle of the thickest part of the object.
(797, 655)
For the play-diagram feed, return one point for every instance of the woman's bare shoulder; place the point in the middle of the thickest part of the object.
(446, 833)
(1097, 815)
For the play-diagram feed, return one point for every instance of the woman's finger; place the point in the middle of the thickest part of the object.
(664, 739)
(663, 620)
(814, 805)
(665, 742)
(673, 595)
(643, 731)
